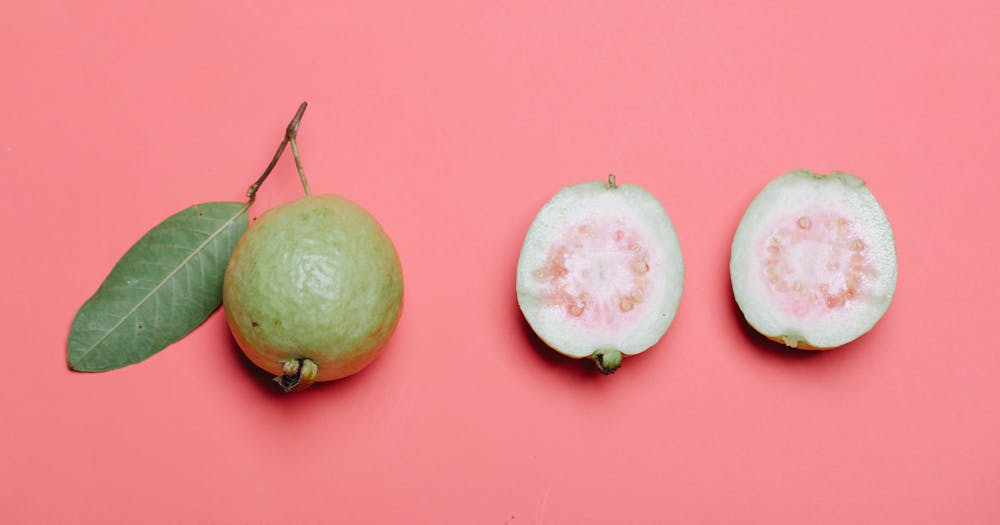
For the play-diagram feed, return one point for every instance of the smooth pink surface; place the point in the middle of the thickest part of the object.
(453, 122)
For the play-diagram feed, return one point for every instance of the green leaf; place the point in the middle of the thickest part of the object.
(164, 286)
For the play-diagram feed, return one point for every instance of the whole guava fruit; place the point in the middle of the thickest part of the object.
(813, 261)
(313, 290)
(600, 274)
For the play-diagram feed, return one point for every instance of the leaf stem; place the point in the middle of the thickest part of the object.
(298, 165)
(290, 132)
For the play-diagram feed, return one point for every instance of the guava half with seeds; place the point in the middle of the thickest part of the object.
(813, 261)
(600, 273)
(313, 290)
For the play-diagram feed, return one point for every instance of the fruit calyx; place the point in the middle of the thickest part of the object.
(611, 182)
(607, 360)
(297, 374)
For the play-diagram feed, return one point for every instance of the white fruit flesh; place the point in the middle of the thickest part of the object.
(600, 269)
(813, 260)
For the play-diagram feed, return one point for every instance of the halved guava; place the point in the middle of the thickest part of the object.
(600, 273)
(813, 261)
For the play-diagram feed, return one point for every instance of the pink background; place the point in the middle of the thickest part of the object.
(453, 122)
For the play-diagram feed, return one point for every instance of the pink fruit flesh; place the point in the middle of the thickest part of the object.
(815, 263)
(598, 274)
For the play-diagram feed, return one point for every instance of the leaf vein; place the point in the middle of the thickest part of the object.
(223, 228)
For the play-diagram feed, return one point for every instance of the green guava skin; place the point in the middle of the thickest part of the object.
(316, 278)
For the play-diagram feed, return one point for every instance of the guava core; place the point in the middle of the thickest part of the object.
(813, 260)
(313, 290)
(600, 273)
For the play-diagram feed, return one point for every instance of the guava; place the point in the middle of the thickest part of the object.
(600, 273)
(313, 290)
(813, 261)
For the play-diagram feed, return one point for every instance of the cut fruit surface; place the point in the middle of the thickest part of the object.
(600, 271)
(813, 260)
